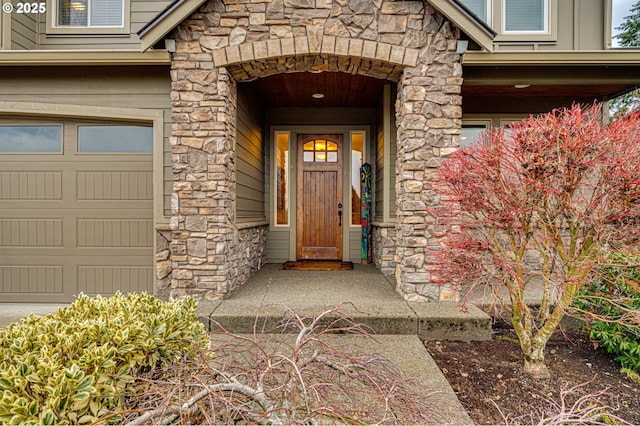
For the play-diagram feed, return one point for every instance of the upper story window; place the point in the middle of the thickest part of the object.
(525, 16)
(518, 20)
(90, 13)
(482, 9)
(88, 16)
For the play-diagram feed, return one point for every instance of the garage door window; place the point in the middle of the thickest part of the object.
(35, 139)
(115, 139)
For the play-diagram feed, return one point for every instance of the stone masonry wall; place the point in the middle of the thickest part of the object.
(236, 40)
(428, 116)
(384, 248)
(252, 254)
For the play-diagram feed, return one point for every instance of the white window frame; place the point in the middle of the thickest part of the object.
(548, 34)
(54, 28)
(274, 174)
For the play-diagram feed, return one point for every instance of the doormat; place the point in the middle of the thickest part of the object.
(317, 265)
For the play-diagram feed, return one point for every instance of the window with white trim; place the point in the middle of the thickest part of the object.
(357, 160)
(282, 180)
(525, 16)
(89, 13)
(518, 20)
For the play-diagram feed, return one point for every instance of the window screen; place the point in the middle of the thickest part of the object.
(524, 15)
(479, 7)
(36, 139)
(90, 13)
(115, 139)
(470, 133)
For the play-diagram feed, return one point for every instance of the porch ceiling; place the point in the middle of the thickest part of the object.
(577, 82)
(483, 87)
(580, 91)
(339, 90)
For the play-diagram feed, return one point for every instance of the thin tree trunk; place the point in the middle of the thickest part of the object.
(534, 363)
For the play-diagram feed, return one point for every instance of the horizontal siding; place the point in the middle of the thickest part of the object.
(24, 31)
(278, 245)
(250, 158)
(355, 246)
(141, 13)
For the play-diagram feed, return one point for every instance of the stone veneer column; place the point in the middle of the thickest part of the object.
(428, 115)
(203, 150)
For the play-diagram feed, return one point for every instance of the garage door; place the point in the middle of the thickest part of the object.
(75, 209)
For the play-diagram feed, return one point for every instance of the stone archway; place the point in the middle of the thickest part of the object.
(222, 43)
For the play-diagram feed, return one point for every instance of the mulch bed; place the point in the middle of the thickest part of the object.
(488, 377)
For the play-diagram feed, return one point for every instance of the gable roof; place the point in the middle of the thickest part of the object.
(179, 10)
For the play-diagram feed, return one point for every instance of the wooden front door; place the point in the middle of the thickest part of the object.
(319, 206)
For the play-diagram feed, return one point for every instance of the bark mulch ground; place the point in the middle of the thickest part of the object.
(488, 377)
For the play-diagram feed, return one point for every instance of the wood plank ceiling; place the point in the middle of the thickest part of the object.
(482, 86)
(339, 90)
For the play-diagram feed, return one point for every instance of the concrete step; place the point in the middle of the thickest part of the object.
(428, 321)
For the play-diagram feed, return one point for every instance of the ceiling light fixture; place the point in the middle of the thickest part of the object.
(317, 95)
(521, 86)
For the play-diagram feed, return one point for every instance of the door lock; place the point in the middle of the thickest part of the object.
(340, 214)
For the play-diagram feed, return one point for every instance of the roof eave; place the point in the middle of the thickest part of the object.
(83, 57)
(477, 30)
(551, 58)
(176, 12)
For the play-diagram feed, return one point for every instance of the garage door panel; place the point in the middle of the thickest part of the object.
(31, 280)
(115, 233)
(36, 232)
(121, 185)
(30, 185)
(107, 279)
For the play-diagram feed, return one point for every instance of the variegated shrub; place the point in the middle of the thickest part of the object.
(76, 366)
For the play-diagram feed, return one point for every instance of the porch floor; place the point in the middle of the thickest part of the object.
(363, 293)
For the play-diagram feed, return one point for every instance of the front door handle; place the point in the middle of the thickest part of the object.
(339, 217)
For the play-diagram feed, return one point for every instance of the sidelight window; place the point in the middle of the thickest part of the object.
(282, 182)
(357, 160)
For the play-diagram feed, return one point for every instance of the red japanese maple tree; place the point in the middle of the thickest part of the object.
(538, 204)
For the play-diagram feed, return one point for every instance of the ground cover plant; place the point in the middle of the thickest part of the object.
(77, 366)
(610, 304)
(538, 204)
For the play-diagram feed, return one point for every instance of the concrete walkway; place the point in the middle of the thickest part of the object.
(369, 298)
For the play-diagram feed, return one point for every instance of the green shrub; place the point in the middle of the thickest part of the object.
(612, 305)
(76, 366)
